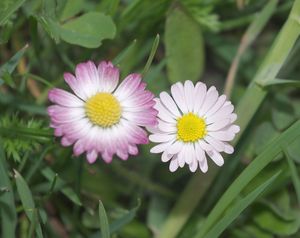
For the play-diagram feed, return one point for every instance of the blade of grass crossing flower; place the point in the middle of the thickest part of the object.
(104, 226)
(7, 205)
(294, 174)
(28, 203)
(151, 55)
(238, 208)
(260, 162)
(248, 38)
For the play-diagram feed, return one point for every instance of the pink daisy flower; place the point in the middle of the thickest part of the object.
(102, 117)
(195, 122)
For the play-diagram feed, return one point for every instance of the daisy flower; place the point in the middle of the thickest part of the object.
(101, 117)
(193, 123)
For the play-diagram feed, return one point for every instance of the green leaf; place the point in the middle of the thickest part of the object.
(11, 64)
(71, 8)
(282, 112)
(7, 8)
(28, 203)
(7, 202)
(184, 47)
(238, 208)
(294, 150)
(104, 226)
(272, 223)
(264, 133)
(88, 30)
(294, 174)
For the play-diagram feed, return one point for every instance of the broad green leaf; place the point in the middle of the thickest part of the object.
(50, 175)
(294, 150)
(7, 8)
(272, 223)
(184, 47)
(88, 30)
(71, 8)
(28, 203)
(238, 208)
(104, 226)
(7, 202)
(11, 64)
(294, 174)
(282, 113)
(264, 133)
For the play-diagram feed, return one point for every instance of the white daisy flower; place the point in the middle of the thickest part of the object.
(193, 123)
(102, 117)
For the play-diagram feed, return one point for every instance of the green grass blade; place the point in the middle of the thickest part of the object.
(238, 208)
(294, 174)
(28, 202)
(7, 8)
(7, 202)
(104, 226)
(151, 55)
(248, 38)
(260, 162)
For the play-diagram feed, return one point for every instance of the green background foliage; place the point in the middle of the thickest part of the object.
(250, 49)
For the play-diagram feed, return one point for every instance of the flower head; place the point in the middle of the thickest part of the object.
(193, 123)
(102, 118)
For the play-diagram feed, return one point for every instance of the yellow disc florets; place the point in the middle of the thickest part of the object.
(103, 109)
(190, 128)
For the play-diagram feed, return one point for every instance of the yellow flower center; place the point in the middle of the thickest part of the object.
(190, 128)
(103, 109)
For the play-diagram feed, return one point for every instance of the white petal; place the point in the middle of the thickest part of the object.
(224, 112)
(165, 157)
(173, 164)
(160, 147)
(220, 102)
(159, 138)
(189, 94)
(200, 154)
(175, 148)
(216, 157)
(204, 145)
(181, 160)
(200, 93)
(163, 113)
(189, 153)
(210, 100)
(222, 135)
(167, 126)
(177, 91)
(203, 165)
(193, 166)
(218, 145)
(218, 125)
(233, 117)
(228, 149)
(168, 102)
